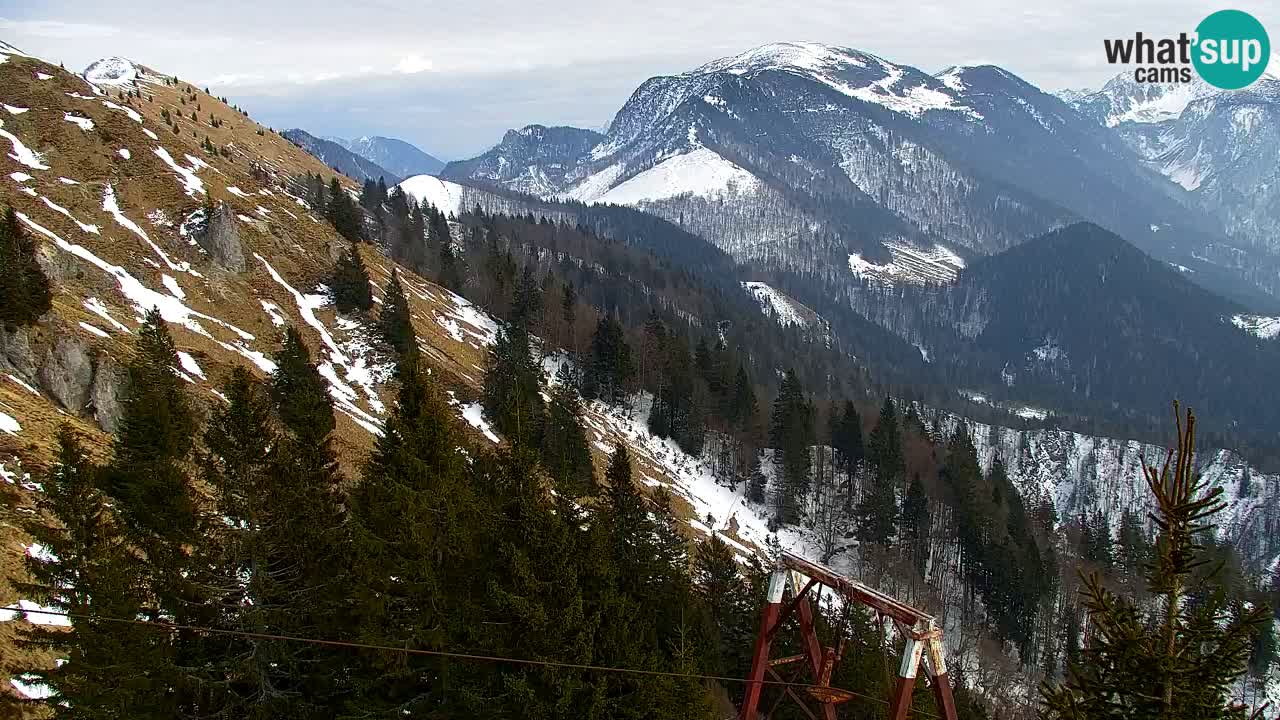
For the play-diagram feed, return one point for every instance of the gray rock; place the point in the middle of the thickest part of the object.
(220, 238)
(66, 372)
(16, 355)
(107, 392)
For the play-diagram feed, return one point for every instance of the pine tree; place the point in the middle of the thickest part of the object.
(757, 482)
(877, 511)
(147, 473)
(1179, 659)
(300, 393)
(395, 325)
(511, 395)
(727, 599)
(85, 567)
(564, 444)
(415, 538)
(349, 283)
(791, 435)
(915, 524)
(452, 271)
(23, 285)
(342, 212)
(609, 367)
(846, 439)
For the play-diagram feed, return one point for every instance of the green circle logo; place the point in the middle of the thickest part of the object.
(1232, 49)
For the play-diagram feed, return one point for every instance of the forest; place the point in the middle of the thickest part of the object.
(226, 566)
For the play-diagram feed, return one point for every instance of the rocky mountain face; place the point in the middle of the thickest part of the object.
(796, 155)
(396, 156)
(1217, 146)
(340, 158)
(1082, 322)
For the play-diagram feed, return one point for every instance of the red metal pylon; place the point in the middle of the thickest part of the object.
(924, 641)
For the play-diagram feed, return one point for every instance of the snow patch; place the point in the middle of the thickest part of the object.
(191, 183)
(23, 154)
(444, 195)
(701, 173)
(189, 364)
(93, 330)
(1267, 328)
(776, 303)
(474, 415)
(9, 425)
(85, 123)
(15, 110)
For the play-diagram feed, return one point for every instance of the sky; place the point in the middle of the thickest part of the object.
(452, 77)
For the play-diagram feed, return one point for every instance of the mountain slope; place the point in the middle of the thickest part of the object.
(340, 158)
(1085, 323)
(397, 156)
(793, 155)
(1215, 145)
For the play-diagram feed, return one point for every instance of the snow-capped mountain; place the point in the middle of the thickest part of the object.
(402, 158)
(1219, 147)
(800, 154)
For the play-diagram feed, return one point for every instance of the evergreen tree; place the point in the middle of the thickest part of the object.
(342, 212)
(1179, 659)
(395, 325)
(609, 367)
(147, 473)
(915, 524)
(564, 444)
(414, 530)
(86, 568)
(511, 395)
(791, 435)
(300, 393)
(757, 482)
(23, 285)
(877, 511)
(349, 283)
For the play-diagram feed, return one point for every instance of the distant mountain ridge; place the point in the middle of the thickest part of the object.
(400, 157)
(801, 155)
(1219, 146)
(340, 158)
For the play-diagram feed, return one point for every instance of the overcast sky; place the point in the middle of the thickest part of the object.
(450, 77)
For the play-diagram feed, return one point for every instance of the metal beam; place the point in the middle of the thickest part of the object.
(855, 590)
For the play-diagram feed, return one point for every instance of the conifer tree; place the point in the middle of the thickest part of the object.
(511, 395)
(915, 523)
(349, 283)
(395, 325)
(1178, 659)
(791, 435)
(85, 567)
(23, 285)
(846, 439)
(147, 473)
(609, 367)
(413, 524)
(303, 537)
(727, 599)
(877, 511)
(342, 212)
(757, 482)
(564, 444)
(300, 393)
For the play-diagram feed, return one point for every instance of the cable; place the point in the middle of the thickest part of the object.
(444, 653)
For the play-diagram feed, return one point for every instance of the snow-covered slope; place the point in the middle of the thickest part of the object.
(113, 71)
(701, 172)
(781, 153)
(445, 195)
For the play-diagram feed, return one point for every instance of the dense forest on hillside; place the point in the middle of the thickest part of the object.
(236, 538)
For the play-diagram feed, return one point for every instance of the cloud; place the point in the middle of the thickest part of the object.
(413, 64)
(56, 30)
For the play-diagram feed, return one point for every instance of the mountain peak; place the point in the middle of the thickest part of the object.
(112, 71)
(804, 56)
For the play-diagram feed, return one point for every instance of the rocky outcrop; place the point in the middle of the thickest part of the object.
(16, 355)
(220, 238)
(107, 391)
(66, 372)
